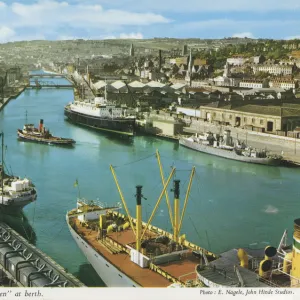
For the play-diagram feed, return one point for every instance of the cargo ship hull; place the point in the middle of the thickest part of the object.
(117, 126)
(111, 276)
(228, 154)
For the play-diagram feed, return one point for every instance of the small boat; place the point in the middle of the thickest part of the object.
(41, 135)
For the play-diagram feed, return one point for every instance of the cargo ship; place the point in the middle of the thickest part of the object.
(15, 192)
(42, 135)
(223, 146)
(102, 115)
(127, 252)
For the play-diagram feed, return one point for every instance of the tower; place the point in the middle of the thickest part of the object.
(226, 70)
(159, 62)
(184, 50)
(131, 51)
(188, 76)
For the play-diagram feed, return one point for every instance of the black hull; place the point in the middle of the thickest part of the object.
(118, 126)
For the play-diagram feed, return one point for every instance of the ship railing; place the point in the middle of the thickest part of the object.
(165, 274)
(198, 248)
(268, 282)
(116, 244)
(98, 203)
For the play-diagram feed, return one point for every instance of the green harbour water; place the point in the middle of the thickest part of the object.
(232, 204)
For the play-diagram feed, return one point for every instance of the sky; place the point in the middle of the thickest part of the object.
(113, 19)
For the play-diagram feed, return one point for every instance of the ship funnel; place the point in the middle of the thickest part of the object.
(243, 257)
(176, 191)
(41, 125)
(295, 272)
(287, 263)
(138, 216)
(265, 265)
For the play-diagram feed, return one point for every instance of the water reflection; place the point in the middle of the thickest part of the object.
(31, 149)
(18, 221)
(88, 134)
(223, 164)
(88, 276)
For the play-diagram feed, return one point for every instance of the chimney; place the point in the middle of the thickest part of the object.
(41, 125)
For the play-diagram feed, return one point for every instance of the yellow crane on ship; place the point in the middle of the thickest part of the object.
(175, 218)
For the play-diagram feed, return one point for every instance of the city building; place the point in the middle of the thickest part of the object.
(226, 79)
(258, 59)
(283, 83)
(263, 118)
(236, 60)
(275, 69)
(253, 83)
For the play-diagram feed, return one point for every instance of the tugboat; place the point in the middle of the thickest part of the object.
(41, 135)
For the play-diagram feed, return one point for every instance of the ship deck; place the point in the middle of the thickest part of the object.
(183, 270)
(221, 272)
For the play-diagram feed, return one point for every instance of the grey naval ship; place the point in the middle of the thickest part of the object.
(223, 146)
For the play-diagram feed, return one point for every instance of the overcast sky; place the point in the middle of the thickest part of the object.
(100, 19)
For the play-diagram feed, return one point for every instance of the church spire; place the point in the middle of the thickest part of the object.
(190, 63)
(131, 51)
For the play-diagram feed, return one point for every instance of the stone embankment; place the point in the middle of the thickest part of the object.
(13, 96)
(288, 147)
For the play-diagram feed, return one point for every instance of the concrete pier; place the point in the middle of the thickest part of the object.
(23, 265)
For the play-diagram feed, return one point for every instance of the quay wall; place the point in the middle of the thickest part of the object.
(7, 99)
(286, 146)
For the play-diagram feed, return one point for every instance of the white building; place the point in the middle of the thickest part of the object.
(274, 69)
(226, 80)
(236, 61)
(193, 112)
(252, 84)
(284, 84)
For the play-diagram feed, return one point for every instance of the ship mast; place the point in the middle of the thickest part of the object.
(122, 198)
(137, 230)
(176, 220)
(158, 201)
(105, 91)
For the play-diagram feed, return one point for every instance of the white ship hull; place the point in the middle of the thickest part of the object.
(110, 275)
